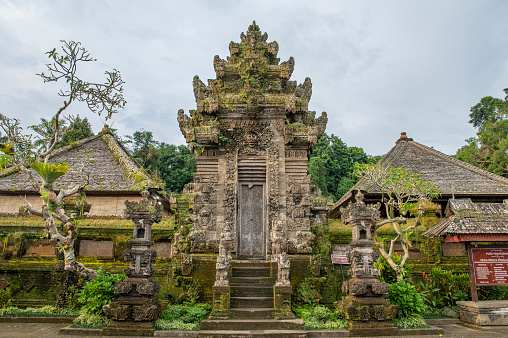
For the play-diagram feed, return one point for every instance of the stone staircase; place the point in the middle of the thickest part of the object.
(252, 306)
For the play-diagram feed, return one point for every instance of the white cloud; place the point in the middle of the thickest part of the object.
(377, 67)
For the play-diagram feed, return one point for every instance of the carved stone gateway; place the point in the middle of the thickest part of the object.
(252, 134)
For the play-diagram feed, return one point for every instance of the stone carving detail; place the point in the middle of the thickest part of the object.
(137, 301)
(279, 253)
(283, 269)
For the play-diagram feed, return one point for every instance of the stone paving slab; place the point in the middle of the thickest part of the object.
(46, 330)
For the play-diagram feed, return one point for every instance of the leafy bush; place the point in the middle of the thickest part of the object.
(5, 298)
(69, 295)
(46, 311)
(387, 273)
(443, 289)
(183, 317)
(90, 321)
(308, 291)
(99, 292)
(320, 318)
(408, 299)
(416, 322)
(495, 292)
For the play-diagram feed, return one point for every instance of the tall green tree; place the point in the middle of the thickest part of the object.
(489, 149)
(78, 129)
(489, 109)
(331, 165)
(175, 165)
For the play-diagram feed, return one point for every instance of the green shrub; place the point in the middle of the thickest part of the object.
(46, 311)
(99, 292)
(495, 292)
(90, 321)
(162, 324)
(308, 291)
(5, 297)
(442, 288)
(184, 317)
(416, 322)
(408, 299)
(387, 273)
(320, 318)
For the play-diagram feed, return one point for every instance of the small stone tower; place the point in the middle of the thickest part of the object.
(252, 134)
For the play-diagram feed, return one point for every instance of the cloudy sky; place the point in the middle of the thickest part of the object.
(377, 67)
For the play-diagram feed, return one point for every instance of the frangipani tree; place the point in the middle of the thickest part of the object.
(404, 195)
(22, 151)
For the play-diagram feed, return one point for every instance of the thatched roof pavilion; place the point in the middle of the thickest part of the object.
(454, 177)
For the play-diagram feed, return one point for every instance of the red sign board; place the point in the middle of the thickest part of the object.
(490, 266)
(339, 259)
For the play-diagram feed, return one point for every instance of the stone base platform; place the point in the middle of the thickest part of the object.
(114, 328)
(484, 313)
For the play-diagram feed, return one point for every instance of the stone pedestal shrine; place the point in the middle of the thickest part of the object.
(134, 312)
(364, 306)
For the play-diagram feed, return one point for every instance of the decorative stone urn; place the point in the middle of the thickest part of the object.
(364, 306)
(134, 312)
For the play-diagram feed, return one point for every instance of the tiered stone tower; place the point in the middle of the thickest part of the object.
(252, 133)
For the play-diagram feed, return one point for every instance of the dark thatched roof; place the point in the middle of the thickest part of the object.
(467, 217)
(453, 177)
(105, 162)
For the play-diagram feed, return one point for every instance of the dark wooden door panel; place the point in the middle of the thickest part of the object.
(251, 239)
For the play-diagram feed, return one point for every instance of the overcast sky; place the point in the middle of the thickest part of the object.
(377, 67)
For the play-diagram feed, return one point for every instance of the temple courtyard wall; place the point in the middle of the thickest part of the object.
(33, 268)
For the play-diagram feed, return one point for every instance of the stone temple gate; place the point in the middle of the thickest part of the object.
(252, 133)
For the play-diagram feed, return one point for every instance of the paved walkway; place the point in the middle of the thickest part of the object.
(44, 330)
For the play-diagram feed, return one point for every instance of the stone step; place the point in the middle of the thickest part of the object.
(252, 324)
(249, 263)
(252, 313)
(245, 281)
(248, 271)
(251, 302)
(253, 333)
(251, 291)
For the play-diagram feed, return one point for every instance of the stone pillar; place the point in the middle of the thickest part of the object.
(364, 306)
(134, 312)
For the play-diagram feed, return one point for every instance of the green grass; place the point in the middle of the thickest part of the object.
(46, 311)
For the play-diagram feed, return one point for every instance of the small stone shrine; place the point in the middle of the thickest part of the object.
(134, 312)
(364, 306)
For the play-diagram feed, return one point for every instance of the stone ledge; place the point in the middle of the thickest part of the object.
(442, 321)
(484, 313)
(64, 320)
(326, 334)
(179, 334)
(78, 331)
(433, 330)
